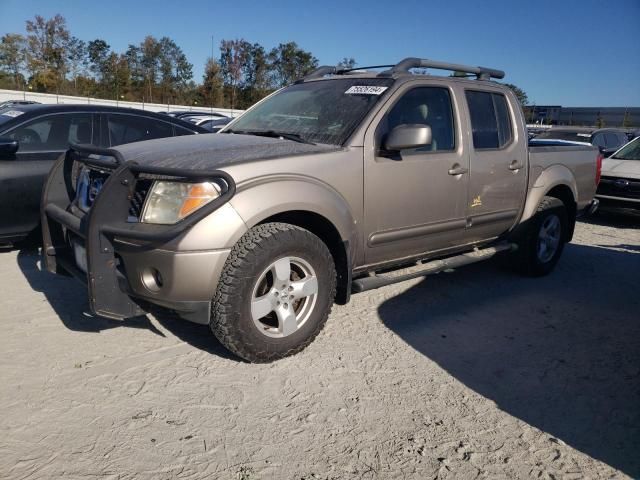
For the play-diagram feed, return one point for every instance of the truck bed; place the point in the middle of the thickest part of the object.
(579, 159)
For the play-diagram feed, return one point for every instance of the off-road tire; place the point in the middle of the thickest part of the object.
(231, 320)
(527, 259)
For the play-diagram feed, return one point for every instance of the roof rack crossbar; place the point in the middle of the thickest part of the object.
(319, 73)
(329, 70)
(483, 73)
(355, 69)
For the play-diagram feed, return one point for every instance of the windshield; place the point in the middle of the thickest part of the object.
(631, 151)
(326, 111)
(583, 137)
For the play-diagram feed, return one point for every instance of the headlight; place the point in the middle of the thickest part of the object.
(169, 202)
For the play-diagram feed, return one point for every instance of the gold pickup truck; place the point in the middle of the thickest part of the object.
(345, 181)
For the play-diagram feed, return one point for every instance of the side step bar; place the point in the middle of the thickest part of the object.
(429, 268)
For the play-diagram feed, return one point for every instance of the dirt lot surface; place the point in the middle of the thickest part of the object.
(477, 373)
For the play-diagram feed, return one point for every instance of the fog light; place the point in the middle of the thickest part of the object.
(152, 279)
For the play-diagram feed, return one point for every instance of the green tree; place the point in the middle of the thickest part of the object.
(133, 57)
(212, 91)
(149, 60)
(175, 70)
(77, 59)
(519, 93)
(12, 57)
(256, 79)
(346, 63)
(118, 80)
(289, 63)
(98, 52)
(46, 47)
(233, 56)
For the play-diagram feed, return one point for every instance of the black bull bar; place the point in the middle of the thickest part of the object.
(106, 224)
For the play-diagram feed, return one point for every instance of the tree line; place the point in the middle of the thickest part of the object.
(50, 59)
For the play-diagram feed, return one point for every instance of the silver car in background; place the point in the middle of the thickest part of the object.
(620, 182)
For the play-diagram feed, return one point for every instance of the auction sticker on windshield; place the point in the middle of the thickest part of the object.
(365, 90)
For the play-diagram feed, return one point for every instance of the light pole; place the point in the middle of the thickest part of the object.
(211, 105)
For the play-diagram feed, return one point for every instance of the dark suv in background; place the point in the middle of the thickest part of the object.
(33, 136)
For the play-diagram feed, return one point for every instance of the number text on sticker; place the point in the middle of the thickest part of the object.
(365, 90)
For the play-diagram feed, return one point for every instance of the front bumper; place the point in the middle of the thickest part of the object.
(619, 192)
(126, 267)
(180, 281)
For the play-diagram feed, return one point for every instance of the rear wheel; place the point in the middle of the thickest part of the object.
(541, 245)
(275, 292)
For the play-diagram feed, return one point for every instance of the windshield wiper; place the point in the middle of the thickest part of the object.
(294, 137)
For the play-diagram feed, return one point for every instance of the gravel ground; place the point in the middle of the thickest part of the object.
(477, 373)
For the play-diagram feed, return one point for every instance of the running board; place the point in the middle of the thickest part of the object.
(428, 268)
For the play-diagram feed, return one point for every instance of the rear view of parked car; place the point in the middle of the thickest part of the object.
(620, 182)
(33, 136)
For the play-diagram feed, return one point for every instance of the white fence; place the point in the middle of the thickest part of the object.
(49, 98)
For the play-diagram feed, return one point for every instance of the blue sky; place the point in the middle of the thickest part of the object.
(561, 52)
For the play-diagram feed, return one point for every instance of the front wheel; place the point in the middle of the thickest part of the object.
(275, 292)
(544, 238)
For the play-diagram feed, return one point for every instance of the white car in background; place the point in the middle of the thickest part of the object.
(620, 182)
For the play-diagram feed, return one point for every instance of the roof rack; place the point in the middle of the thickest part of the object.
(328, 70)
(403, 67)
(319, 73)
(356, 69)
(483, 73)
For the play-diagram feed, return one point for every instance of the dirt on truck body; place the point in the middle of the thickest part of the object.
(343, 182)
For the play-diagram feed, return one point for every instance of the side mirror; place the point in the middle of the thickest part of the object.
(408, 136)
(8, 145)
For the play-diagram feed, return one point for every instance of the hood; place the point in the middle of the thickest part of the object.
(214, 150)
(612, 167)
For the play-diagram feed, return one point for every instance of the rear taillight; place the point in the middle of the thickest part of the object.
(598, 168)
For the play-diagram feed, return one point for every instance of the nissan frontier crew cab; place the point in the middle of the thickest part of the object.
(345, 181)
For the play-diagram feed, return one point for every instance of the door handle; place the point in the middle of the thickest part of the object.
(457, 169)
(515, 165)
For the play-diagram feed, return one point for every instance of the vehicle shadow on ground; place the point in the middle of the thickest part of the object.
(616, 218)
(68, 298)
(561, 353)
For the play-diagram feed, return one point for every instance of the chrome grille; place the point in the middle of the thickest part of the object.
(87, 183)
(619, 187)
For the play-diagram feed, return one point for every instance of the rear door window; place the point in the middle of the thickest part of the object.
(134, 128)
(81, 129)
(490, 119)
(53, 132)
(611, 140)
(599, 140)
